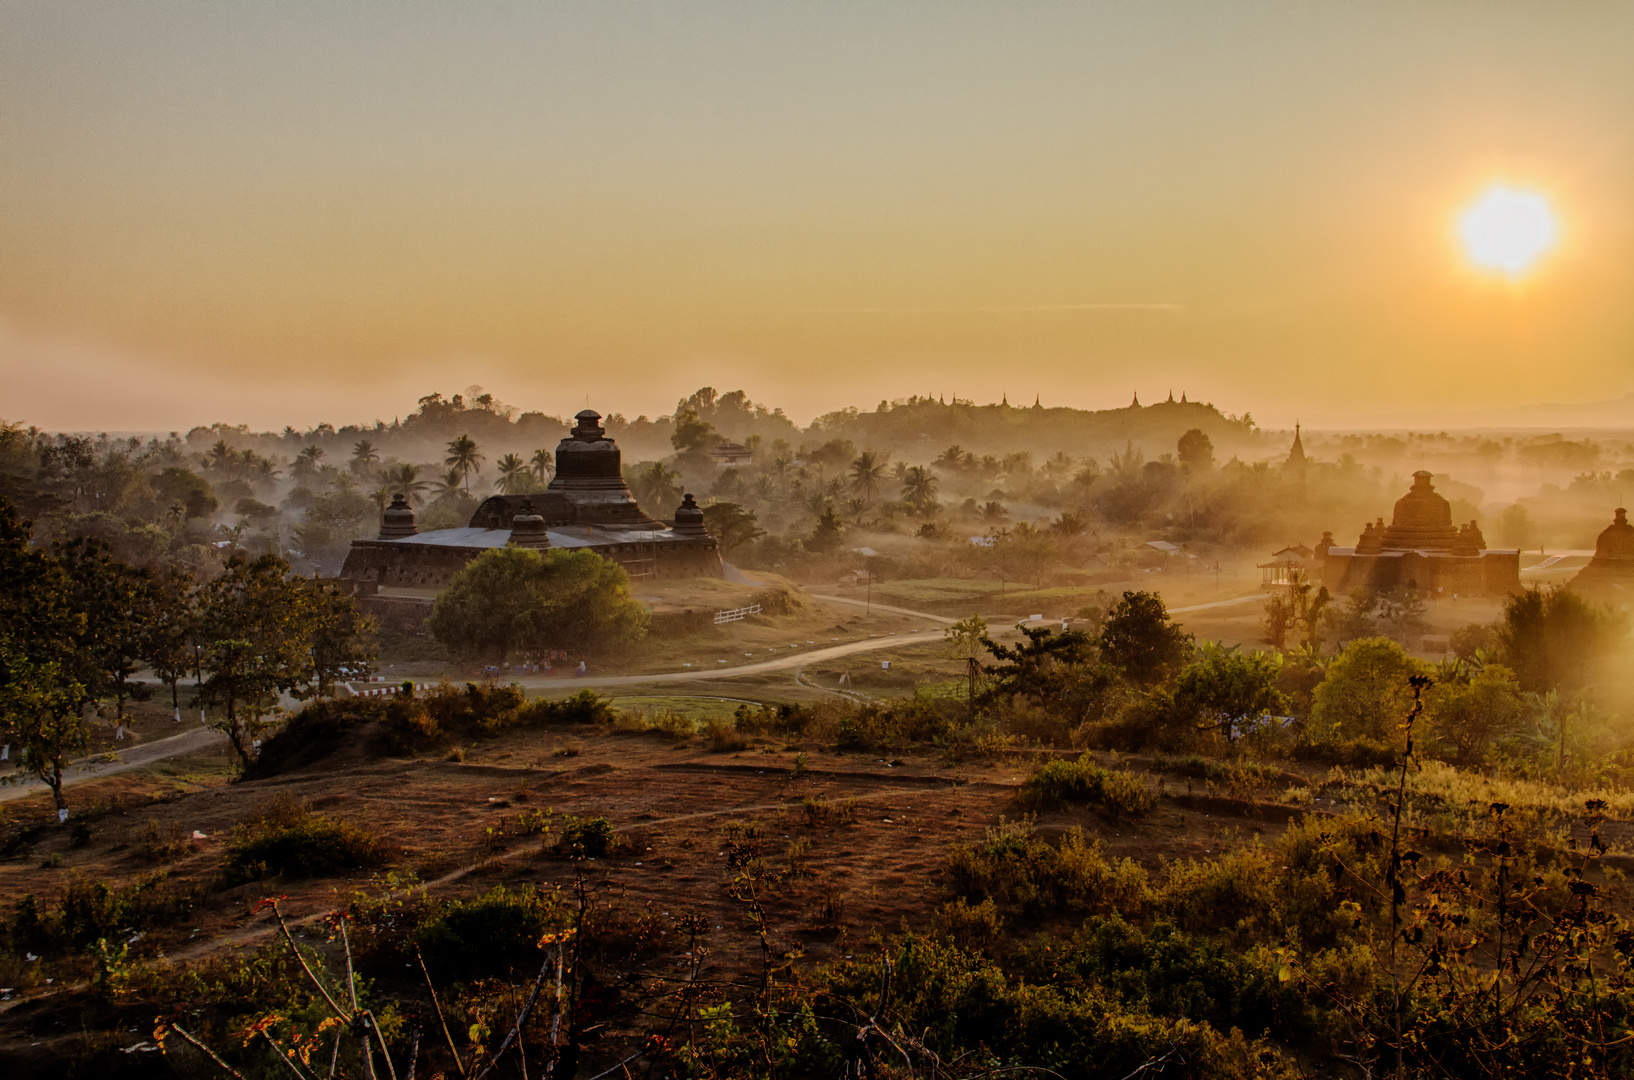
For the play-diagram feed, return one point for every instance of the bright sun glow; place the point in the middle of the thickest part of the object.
(1507, 230)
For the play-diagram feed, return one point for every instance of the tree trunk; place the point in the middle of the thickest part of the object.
(54, 779)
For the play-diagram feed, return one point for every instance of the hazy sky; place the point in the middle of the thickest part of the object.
(294, 212)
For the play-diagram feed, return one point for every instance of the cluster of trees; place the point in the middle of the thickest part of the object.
(78, 623)
(517, 603)
(1522, 693)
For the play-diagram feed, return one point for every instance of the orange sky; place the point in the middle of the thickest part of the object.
(291, 213)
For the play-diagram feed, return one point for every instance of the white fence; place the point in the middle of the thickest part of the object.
(724, 617)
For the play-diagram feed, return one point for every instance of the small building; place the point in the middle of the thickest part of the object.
(1422, 549)
(731, 453)
(1291, 564)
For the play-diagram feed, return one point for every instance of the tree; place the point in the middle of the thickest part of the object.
(42, 714)
(1054, 670)
(463, 458)
(732, 526)
(692, 434)
(1366, 692)
(919, 488)
(866, 473)
(544, 465)
(514, 600)
(1466, 718)
(1552, 638)
(1139, 638)
(117, 602)
(656, 487)
(167, 644)
(515, 475)
(965, 638)
(306, 462)
(340, 637)
(1224, 689)
(1296, 608)
(1195, 451)
(364, 457)
(829, 533)
(253, 629)
(405, 479)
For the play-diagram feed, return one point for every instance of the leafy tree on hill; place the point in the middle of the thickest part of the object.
(1366, 692)
(117, 602)
(1196, 451)
(692, 434)
(171, 630)
(42, 715)
(254, 626)
(515, 600)
(1139, 638)
(1223, 689)
(1552, 638)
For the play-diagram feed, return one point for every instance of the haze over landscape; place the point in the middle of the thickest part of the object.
(721, 541)
(307, 213)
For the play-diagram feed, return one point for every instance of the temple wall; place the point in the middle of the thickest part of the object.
(1493, 572)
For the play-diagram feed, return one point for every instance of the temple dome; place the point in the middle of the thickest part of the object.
(1422, 520)
(1616, 541)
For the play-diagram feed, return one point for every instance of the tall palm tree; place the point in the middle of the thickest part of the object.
(447, 486)
(655, 487)
(218, 455)
(306, 462)
(514, 475)
(405, 478)
(544, 465)
(464, 458)
(919, 486)
(364, 457)
(867, 472)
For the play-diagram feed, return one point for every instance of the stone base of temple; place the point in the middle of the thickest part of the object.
(1491, 572)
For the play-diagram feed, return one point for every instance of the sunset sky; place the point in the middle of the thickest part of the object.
(300, 212)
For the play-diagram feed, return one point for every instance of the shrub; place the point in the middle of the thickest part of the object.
(161, 844)
(724, 738)
(312, 734)
(1058, 782)
(882, 728)
(1015, 866)
(1168, 973)
(585, 707)
(491, 934)
(823, 814)
(970, 926)
(590, 838)
(284, 838)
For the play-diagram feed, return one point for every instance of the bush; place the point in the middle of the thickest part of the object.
(590, 838)
(492, 934)
(90, 910)
(821, 813)
(1168, 973)
(1015, 866)
(285, 839)
(314, 733)
(970, 926)
(724, 738)
(1058, 782)
(585, 707)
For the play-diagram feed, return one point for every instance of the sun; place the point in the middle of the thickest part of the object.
(1507, 230)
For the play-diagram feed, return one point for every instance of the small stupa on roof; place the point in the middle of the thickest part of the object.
(1611, 572)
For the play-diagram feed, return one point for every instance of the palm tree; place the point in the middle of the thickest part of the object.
(306, 462)
(655, 486)
(219, 455)
(866, 473)
(464, 458)
(514, 477)
(447, 486)
(405, 478)
(544, 465)
(919, 486)
(364, 457)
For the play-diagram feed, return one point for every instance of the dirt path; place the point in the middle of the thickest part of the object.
(95, 768)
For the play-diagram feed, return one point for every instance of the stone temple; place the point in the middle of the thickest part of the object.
(1610, 574)
(587, 505)
(1422, 549)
